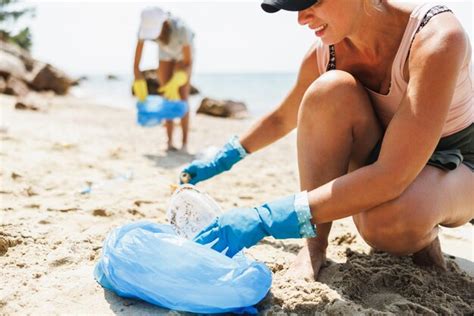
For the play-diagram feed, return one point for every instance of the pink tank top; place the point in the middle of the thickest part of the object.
(461, 111)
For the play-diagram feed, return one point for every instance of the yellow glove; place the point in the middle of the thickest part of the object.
(140, 89)
(171, 89)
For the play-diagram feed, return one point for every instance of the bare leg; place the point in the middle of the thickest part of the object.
(184, 92)
(312, 256)
(409, 224)
(337, 129)
(431, 255)
(169, 132)
(185, 129)
(165, 71)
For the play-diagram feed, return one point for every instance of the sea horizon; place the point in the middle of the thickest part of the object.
(260, 91)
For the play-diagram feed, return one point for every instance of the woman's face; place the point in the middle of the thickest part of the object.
(331, 20)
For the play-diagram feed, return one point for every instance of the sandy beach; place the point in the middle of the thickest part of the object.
(51, 235)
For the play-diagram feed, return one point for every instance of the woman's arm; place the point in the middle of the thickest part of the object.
(282, 120)
(138, 57)
(437, 55)
(266, 131)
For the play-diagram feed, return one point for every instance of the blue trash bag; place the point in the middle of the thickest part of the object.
(149, 261)
(155, 109)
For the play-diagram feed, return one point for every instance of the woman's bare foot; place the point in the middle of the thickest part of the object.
(430, 256)
(307, 264)
(171, 148)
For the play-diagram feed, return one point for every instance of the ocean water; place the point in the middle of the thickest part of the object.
(260, 92)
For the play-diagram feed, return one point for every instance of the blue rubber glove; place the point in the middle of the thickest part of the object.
(289, 217)
(198, 170)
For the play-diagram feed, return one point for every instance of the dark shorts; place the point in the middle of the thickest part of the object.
(450, 152)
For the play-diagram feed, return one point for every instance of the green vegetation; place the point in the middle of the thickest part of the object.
(10, 14)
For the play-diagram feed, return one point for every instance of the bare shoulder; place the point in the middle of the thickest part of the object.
(308, 71)
(443, 39)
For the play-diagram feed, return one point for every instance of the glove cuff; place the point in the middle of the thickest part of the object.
(288, 217)
(235, 143)
(303, 212)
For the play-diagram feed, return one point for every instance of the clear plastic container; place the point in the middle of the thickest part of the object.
(191, 210)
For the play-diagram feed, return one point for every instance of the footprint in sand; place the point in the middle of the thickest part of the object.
(6, 243)
(15, 176)
(28, 191)
(347, 238)
(116, 153)
(3, 246)
(100, 212)
(60, 261)
(60, 146)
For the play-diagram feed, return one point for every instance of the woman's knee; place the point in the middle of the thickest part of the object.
(337, 91)
(336, 84)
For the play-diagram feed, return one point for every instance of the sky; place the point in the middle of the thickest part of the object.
(99, 37)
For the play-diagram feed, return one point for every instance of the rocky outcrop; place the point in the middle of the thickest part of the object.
(11, 65)
(46, 77)
(3, 85)
(21, 73)
(15, 86)
(223, 108)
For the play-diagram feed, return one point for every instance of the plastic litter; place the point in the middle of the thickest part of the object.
(128, 176)
(154, 109)
(204, 155)
(191, 210)
(207, 153)
(151, 262)
(161, 265)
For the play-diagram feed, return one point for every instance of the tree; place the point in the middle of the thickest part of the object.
(10, 13)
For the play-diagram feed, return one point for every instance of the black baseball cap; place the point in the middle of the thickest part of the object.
(272, 6)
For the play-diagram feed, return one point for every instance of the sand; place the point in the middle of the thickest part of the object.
(51, 234)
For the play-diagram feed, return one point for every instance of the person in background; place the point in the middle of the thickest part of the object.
(175, 42)
(383, 107)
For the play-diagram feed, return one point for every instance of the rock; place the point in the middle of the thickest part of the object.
(3, 85)
(223, 108)
(18, 52)
(11, 65)
(193, 90)
(23, 106)
(18, 64)
(112, 77)
(79, 80)
(16, 87)
(46, 77)
(3, 246)
(32, 102)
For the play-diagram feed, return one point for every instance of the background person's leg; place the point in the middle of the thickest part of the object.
(184, 93)
(165, 72)
(169, 125)
(337, 129)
